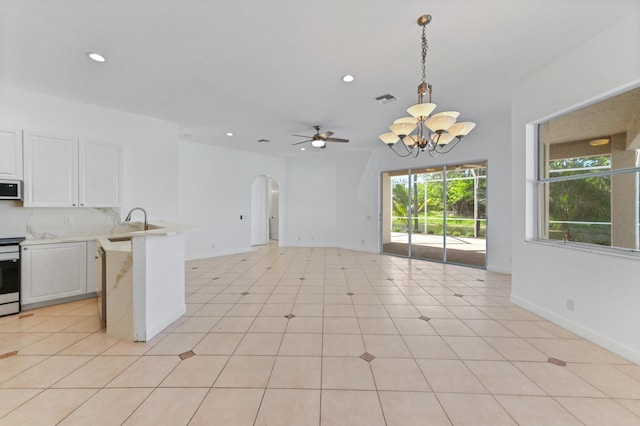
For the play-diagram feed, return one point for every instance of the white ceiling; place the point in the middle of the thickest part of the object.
(269, 69)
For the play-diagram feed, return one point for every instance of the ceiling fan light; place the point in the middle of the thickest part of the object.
(318, 143)
(421, 111)
(389, 138)
(440, 122)
(461, 129)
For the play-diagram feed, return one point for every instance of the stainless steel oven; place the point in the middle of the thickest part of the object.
(10, 275)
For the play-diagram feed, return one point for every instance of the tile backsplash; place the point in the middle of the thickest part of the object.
(42, 222)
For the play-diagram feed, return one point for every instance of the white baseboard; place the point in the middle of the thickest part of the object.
(166, 321)
(359, 248)
(307, 245)
(579, 329)
(215, 253)
(499, 270)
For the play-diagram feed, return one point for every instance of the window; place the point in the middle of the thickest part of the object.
(588, 175)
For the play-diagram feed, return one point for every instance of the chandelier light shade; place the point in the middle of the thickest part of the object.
(423, 131)
(421, 111)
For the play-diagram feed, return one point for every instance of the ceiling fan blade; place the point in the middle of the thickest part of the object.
(325, 135)
(303, 136)
(336, 140)
(298, 143)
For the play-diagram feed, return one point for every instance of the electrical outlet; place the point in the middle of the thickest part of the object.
(570, 304)
(213, 245)
(362, 242)
(67, 220)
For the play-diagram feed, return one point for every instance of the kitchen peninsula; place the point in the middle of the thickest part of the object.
(144, 280)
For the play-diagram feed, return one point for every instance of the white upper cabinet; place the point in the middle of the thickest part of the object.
(51, 171)
(100, 183)
(67, 172)
(10, 154)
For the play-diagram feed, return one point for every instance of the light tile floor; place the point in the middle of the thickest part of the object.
(372, 340)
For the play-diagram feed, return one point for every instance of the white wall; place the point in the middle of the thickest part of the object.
(311, 215)
(215, 189)
(605, 288)
(150, 152)
(357, 200)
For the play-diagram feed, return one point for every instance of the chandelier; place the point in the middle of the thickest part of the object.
(434, 133)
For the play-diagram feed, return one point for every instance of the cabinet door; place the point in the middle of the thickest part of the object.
(10, 154)
(53, 271)
(100, 180)
(51, 171)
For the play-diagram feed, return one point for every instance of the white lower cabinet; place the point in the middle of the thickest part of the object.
(57, 271)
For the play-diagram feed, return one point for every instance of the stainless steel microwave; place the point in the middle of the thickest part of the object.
(10, 189)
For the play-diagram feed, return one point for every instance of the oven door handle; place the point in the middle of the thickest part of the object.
(9, 257)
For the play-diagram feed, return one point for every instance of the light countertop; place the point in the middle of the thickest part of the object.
(157, 229)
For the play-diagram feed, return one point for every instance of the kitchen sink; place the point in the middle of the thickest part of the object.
(119, 239)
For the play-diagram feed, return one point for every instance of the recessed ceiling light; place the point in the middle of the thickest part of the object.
(303, 149)
(229, 134)
(348, 78)
(96, 57)
(599, 142)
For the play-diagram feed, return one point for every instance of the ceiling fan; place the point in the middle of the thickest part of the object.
(319, 139)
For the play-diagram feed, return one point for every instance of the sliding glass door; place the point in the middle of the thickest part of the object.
(436, 213)
(395, 193)
(427, 238)
(466, 214)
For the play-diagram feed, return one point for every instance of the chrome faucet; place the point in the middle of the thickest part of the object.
(128, 218)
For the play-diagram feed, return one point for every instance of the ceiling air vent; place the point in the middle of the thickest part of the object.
(384, 99)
